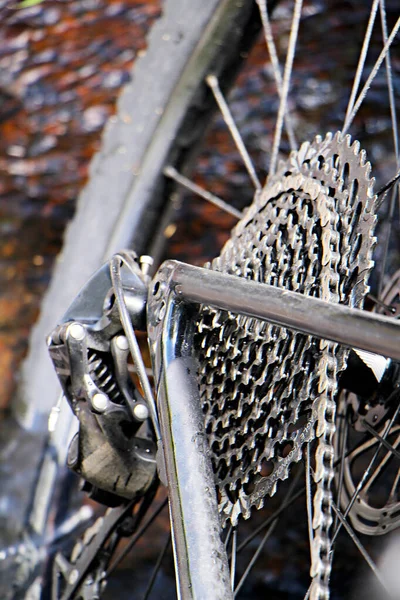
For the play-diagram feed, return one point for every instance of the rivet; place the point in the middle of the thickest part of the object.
(77, 331)
(73, 576)
(100, 402)
(141, 412)
(122, 342)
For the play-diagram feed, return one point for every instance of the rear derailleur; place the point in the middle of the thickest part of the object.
(114, 449)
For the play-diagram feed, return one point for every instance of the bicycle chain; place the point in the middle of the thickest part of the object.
(267, 391)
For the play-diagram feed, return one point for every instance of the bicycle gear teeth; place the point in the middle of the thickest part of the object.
(266, 391)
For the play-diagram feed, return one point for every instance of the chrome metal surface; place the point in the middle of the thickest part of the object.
(335, 322)
(200, 557)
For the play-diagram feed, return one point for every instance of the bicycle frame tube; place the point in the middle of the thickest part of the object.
(201, 562)
(334, 322)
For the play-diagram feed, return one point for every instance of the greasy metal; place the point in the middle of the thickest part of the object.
(201, 563)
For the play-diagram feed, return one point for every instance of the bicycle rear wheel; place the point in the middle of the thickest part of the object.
(159, 168)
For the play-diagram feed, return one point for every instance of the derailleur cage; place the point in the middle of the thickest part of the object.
(113, 450)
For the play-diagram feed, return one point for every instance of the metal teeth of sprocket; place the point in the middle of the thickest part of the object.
(266, 390)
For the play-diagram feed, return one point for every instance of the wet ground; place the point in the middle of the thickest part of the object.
(61, 67)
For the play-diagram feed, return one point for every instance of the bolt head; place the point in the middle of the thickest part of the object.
(73, 576)
(100, 402)
(141, 412)
(77, 331)
(146, 259)
(122, 342)
(145, 263)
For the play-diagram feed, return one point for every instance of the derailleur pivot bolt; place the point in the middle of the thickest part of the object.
(99, 402)
(145, 263)
(141, 412)
(77, 331)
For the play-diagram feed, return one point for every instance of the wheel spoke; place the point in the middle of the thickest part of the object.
(309, 497)
(389, 221)
(233, 558)
(272, 522)
(393, 115)
(345, 428)
(135, 538)
(157, 567)
(172, 173)
(361, 61)
(213, 83)
(228, 536)
(390, 83)
(379, 468)
(360, 547)
(395, 144)
(366, 474)
(270, 519)
(269, 40)
(388, 185)
(384, 442)
(386, 307)
(282, 508)
(285, 85)
(371, 77)
(255, 556)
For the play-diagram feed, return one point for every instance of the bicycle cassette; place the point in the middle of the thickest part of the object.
(265, 390)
